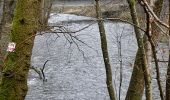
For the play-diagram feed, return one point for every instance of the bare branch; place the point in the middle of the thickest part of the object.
(154, 15)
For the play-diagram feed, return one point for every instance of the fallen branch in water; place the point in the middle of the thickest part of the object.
(40, 71)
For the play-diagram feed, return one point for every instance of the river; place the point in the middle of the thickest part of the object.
(75, 70)
(84, 2)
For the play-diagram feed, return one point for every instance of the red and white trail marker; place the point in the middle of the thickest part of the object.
(11, 47)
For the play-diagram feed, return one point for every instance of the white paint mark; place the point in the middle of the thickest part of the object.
(11, 47)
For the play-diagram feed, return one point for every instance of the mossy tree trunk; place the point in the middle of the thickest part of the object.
(13, 84)
(136, 86)
(105, 53)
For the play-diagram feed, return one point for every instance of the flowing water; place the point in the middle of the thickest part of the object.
(75, 70)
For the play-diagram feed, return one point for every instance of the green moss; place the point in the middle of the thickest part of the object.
(13, 85)
(132, 2)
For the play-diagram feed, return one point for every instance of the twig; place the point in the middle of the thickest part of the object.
(37, 71)
(148, 17)
(42, 71)
(154, 15)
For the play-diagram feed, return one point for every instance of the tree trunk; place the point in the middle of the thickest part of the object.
(1, 14)
(13, 84)
(168, 70)
(105, 53)
(141, 51)
(46, 10)
(136, 86)
(9, 9)
(148, 33)
(5, 27)
(164, 12)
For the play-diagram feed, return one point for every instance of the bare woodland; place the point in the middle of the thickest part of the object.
(23, 22)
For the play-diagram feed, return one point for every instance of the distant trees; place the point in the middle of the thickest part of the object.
(13, 85)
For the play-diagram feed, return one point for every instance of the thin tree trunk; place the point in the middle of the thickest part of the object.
(154, 56)
(46, 10)
(164, 12)
(142, 53)
(149, 36)
(13, 84)
(105, 53)
(1, 14)
(153, 34)
(168, 70)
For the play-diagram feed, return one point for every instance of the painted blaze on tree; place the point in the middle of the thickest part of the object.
(13, 84)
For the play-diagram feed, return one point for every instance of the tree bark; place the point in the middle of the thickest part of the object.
(136, 86)
(164, 12)
(168, 70)
(1, 14)
(5, 27)
(150, 36)
(13, 84)
(148, 30)
(142, 53)
(46, 10)
(105, 53)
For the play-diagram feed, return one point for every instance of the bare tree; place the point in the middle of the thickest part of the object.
(105, 53)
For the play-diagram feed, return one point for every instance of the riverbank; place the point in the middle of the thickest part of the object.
(109, 9)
